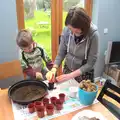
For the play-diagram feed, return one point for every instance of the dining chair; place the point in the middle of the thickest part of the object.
(110, 98)
(10, 72)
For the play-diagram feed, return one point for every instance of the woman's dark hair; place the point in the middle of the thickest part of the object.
(78, 18)
(24, 38)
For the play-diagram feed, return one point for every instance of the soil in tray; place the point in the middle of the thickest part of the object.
(30, 92)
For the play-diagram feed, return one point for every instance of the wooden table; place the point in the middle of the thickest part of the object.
(7, 114)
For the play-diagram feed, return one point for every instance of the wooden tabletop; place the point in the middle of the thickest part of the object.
(7, 114)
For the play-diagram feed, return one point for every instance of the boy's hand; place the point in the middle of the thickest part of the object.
(39, 75)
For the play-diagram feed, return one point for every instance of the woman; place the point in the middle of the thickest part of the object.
(78, 46)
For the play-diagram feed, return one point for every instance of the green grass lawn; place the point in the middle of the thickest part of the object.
(42, 33)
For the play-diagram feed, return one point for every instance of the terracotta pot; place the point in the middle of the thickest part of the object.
(59, 104)
(53, 100)
(31, 108)
(40, 112)
(37, 104)
(45, 101)
(50, 109)
(62, 97)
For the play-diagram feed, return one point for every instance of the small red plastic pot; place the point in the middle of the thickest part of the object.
(41, 112)
(37, 103)
(62, 97)
(45, 101)
(59, 104)
(53, 100)
(50, 109)
(31, 108)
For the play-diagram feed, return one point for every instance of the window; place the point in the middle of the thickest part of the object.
(45, 19)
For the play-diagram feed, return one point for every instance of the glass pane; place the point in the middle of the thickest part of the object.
(38, 21)
(67, 4)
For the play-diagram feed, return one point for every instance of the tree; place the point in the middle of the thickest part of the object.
(26, 6)
(29, 7)
(47, 4)
(40, 4)
(70, 3)
(43, 4)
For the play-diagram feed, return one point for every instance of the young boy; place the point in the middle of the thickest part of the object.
(32, 56)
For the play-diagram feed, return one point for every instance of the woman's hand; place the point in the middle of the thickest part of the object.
(64, 77)
(69, 76)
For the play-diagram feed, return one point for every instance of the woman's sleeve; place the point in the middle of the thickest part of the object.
(92, 55)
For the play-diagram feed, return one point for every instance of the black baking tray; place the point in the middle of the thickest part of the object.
(27, 91)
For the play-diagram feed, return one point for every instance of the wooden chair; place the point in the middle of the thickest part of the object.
(10, 72)
(112, 95)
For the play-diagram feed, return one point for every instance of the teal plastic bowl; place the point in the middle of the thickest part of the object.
(87, 98)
